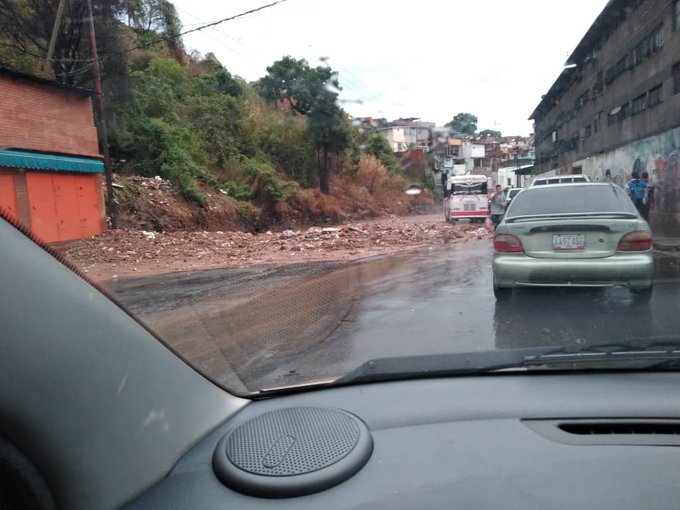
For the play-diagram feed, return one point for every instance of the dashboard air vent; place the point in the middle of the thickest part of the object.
(621, 427)
(615, 431)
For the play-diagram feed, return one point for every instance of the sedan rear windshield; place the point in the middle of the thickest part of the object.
(574, 199)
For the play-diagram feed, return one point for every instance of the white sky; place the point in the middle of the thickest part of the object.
(431, 59)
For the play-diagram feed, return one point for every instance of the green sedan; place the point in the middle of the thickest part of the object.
(573, 235)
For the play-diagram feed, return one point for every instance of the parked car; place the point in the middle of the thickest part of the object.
(587, 234)
(511, 194)
(561, 179)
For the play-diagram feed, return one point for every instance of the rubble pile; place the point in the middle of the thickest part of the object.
(125, 252)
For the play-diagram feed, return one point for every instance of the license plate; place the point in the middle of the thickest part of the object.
(569, 241)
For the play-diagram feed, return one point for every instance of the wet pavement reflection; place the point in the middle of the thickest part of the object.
(322, 321)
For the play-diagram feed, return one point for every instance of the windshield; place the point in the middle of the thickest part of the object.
(469, 189)
(270, 186)
(571, 199)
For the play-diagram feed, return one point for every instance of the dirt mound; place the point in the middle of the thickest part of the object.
(154, 204)
(134, 252)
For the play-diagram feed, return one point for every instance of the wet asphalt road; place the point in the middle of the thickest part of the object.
(269, 327)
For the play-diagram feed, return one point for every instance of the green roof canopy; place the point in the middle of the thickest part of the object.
(36, 161)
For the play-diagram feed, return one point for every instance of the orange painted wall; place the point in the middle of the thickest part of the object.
(8, 196)
(63, 206)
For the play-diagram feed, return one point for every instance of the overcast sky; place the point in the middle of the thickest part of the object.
(428, 59)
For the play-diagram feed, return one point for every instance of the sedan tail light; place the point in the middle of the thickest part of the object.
(640, 240)
(507, 243)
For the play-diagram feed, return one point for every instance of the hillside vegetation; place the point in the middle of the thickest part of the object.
(276, 151)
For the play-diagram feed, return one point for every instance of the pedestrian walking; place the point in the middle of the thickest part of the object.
(636, 191)
(497, 206)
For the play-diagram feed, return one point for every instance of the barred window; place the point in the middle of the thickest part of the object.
(639, 104)
(654, 96)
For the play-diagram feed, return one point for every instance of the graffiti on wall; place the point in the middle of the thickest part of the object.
(659, 156)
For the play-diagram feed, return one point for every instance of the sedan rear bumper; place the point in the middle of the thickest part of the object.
(634, 270)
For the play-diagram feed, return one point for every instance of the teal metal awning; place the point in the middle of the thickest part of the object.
(36, 161)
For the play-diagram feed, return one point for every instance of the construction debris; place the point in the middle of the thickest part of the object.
(126, 252)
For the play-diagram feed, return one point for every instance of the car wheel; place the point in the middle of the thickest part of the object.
(502, 293)
(642, 295)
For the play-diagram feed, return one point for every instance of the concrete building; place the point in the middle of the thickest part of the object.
(515, 173)
(616, 108)
(50, 167)
(474, 154)
(408, 134)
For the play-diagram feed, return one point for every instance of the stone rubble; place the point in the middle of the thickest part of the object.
(122, 251)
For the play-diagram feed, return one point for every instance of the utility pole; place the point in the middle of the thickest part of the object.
(517, 177)
(55, 30)
(112, 208)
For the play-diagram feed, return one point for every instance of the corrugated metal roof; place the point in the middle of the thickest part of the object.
(36, 161)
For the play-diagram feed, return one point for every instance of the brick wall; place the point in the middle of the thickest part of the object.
(36, 116)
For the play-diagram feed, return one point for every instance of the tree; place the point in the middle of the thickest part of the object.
(26, 29)
(151, 18)
(310, 91)
(295, 82)
(330, 131)
(490, 132)
(375, 144)
(463, 123)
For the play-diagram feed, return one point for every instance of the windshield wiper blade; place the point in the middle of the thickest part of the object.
(435, 365)
(645, 352)
(639, 357)
(655, 353)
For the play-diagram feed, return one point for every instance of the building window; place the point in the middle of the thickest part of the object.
(651, 44)
(676, 78)
(639, 104)
(676, 17)
(612, 119)
(654, 96)
(588, 132)
(619, 113)
(625, 111)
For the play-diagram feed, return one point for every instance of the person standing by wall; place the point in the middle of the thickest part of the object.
(497, 206)
(636, 191)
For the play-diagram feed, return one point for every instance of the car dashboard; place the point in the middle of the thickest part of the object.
(518, 441)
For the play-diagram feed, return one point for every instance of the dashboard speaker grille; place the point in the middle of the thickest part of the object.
(293, 451)
(292, 441)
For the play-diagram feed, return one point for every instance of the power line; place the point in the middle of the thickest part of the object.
(164, 38)
(203, 27)
(222, 43)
